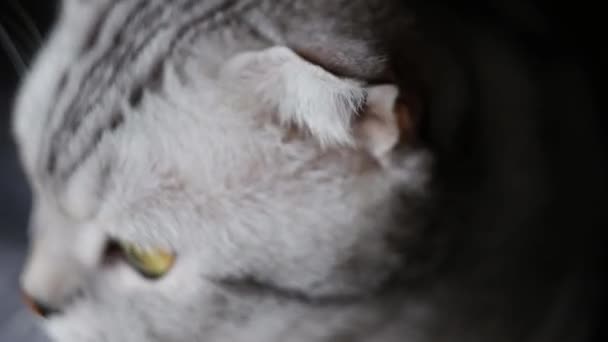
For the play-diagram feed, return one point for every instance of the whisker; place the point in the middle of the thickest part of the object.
(20, 36)
(28, 23)
(12, 51)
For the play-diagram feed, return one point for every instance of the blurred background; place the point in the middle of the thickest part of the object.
(24, 23)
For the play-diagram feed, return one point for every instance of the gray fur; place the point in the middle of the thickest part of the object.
(140, 136)
(155, 122)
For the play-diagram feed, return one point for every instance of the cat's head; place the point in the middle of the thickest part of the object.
(269, 199)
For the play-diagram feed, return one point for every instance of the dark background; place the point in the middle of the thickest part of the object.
(574, 26)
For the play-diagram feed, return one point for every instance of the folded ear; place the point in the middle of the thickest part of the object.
(301, 93)
(385, 122)
(336, 111)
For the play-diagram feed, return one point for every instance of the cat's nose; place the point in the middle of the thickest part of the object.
(38, 307)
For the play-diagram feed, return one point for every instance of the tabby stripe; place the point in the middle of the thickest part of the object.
(56, 137)
(95, 84)
(93, 78)
(195, 32)
(115, 121)
(96, 30)
(124, 60)
(61, 85)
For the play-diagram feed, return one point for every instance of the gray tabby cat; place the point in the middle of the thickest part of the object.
(266, 171)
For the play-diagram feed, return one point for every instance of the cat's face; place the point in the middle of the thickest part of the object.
(267, 189)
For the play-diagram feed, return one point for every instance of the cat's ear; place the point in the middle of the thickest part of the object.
(335, 110)
(384, 122)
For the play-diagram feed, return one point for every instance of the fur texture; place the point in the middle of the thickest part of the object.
(252, 139)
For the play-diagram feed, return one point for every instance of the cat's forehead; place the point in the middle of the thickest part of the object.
(101, 60)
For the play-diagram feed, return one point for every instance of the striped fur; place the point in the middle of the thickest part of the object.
(305, 198)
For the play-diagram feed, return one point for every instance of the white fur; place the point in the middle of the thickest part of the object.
(302, 93)
(204, 167)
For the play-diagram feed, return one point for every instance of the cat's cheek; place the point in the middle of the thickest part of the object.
(182, 278)
(90, 323)
(75, 325)
(119, 278)
(183, 283)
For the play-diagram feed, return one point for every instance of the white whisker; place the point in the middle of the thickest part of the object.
(13, 52)
(28, 23)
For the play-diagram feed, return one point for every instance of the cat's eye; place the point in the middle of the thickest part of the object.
(150, 262)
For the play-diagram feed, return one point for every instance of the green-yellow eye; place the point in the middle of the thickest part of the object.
(150, 262)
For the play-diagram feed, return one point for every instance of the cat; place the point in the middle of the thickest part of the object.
(302, 171)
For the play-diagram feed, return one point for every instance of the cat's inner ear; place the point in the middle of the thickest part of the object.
(384, 123)
(336, 111)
